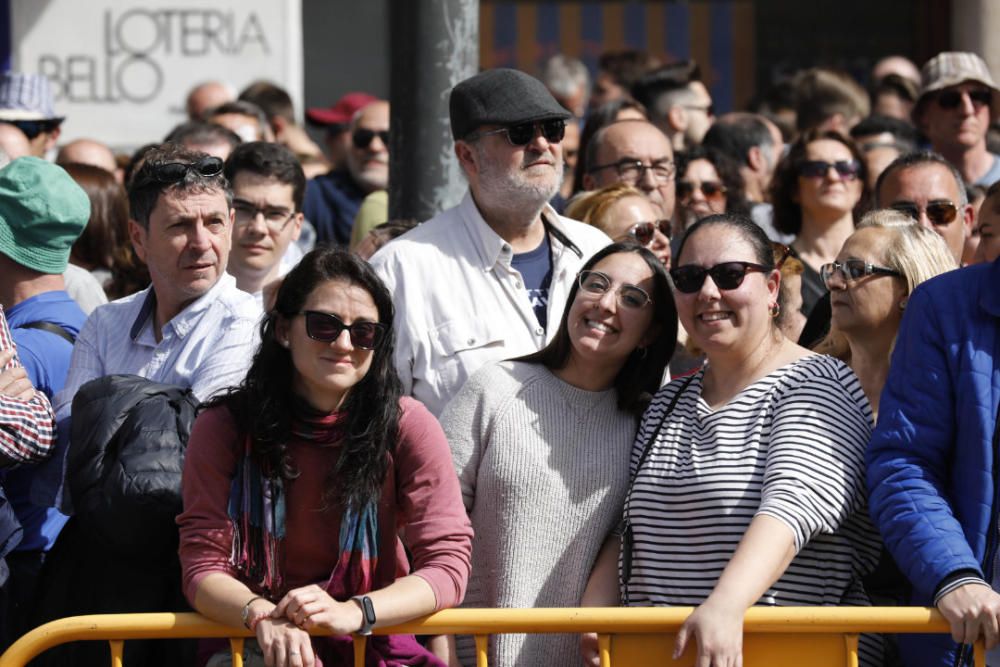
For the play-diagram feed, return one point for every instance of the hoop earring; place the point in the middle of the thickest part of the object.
(643, 351)
(774, 310)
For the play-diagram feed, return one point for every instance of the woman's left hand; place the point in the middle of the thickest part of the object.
(312, 608)
(718, 630)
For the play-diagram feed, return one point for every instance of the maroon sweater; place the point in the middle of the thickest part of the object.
(421, 501)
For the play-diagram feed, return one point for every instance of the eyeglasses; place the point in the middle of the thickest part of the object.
(711, 190)
(274, 217)
(853, 269)
(952, 99)
(631, 171)
(327, 328)
(940, 212)
(598, 284)
(175, 172)
(726, 276)
(522, 133)
(645, 232)
(846, 169)
(362, 137)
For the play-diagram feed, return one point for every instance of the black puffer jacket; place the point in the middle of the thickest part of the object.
(125, 459)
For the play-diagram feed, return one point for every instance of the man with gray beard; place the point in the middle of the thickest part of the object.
(488, 279)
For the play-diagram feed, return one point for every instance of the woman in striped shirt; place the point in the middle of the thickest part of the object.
(747, 477)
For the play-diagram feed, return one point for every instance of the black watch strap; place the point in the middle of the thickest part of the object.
(367, 614)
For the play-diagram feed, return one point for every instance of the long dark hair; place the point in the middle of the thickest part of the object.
(642, 373)
(264, 403)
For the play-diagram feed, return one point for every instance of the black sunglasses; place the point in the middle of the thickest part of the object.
(940, 212)
(327, 328)
(846, 169)
(32, 128)
(175, 172)
(952, 99)
(726, 276)
(362, 138)
(522, 133)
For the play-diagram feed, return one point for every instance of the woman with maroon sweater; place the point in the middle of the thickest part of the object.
(298, 482)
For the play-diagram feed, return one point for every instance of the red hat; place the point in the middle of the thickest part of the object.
(341, 112)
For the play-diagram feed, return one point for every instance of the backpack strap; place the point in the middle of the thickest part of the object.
(52, 329)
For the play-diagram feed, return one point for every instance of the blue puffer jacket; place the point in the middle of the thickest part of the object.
(932, 470)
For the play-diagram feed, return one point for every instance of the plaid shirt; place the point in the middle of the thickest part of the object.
(27, 428)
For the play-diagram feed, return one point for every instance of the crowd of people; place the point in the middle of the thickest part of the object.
(653, 357)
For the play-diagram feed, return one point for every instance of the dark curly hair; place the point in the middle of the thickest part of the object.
(785, 186)
(263, 404)
(729, 174)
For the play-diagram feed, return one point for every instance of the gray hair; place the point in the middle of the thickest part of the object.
(564, 75)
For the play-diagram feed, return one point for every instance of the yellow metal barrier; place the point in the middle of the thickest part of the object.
(773, 636)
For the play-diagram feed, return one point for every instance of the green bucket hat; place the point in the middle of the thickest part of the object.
(42, 213)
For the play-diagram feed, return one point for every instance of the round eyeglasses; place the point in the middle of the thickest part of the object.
(627, 296)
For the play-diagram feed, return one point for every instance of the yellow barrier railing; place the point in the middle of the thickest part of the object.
(773, 636)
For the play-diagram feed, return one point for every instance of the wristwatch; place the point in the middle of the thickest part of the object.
(367, 613)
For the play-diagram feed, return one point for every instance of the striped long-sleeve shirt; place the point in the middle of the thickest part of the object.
(790, 445)
(27, 428)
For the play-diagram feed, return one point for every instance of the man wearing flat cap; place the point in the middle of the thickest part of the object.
(957, 100)
(488, 279)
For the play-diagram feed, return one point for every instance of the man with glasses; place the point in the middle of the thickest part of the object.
(636, 153)
(488, 279)
(26, 103)
(930, 190)
(957, 101)
(332, 200)
(268, 185)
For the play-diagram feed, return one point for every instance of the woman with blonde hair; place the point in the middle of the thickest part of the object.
(625, 214)
(873, 276)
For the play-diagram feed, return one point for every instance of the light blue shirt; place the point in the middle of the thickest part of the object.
(208, 347)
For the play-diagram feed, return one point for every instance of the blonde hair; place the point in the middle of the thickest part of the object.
(592, 207)
(917, 252)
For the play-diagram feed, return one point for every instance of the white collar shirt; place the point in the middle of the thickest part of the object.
(208, 346)
(461, 304)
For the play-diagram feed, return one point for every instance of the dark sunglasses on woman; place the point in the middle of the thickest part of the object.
(846, 169)
(854, 269)
(522, 133)
(644, 232)
(711, 190)
(726, 276)
(363, 138)
(327, 328)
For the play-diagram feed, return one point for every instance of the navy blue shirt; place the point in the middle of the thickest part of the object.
(331, 203)
(45, 357)
(536, 271)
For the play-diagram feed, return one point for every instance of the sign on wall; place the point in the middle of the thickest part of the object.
(120, 70)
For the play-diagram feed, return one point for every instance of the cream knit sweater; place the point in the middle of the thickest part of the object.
(544, 471)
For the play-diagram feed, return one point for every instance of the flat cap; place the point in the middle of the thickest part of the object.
(501, 97)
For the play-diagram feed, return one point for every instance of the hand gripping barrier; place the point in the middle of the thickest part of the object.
(773, 636)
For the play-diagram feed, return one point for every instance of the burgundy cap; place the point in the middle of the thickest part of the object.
(341, 112)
